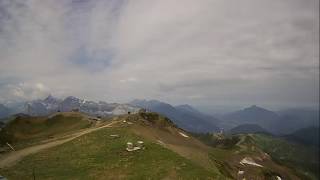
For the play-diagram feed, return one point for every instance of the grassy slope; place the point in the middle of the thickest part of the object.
(24, 130)
(98, 156)
(304, 160)
(228, 151)
(158, 129)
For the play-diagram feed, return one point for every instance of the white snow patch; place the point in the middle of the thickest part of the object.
(249, 161)
(184, 135)
(161, 142)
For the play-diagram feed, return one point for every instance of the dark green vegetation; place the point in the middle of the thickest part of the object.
(248, 128)
(229, 149)
(303, 159)
(153, 118)
(218, 140)
(27, 129)
(98, 156)
(307, 136)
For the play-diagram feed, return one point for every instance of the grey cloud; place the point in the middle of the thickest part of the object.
(201, 52)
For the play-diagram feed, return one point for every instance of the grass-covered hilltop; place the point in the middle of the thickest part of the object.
(73, 145)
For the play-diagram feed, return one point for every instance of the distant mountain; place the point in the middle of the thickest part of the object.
(188, 109)
(281, 123)
(248, 128)
(295, 119)
(184, 116)
(192, 112)
(287, 124)
(51, 104)
(70, 103)
(4, 111)
(307, 136)
(251, 115)
(42, 107)
(307, 115)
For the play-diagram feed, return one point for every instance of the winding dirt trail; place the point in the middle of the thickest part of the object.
(15, 156)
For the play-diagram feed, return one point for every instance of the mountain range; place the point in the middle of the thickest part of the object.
(164, 137)
(51, 104)
(250, 115)
(185, 116)
(279, 123)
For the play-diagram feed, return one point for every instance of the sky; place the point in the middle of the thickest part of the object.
(206, 53)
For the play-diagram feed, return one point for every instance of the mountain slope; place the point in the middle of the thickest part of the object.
(234, 153)
(248, 129)
(307, 117)
(281, 123)
(307, 136)
(189, 110)
(100, 155)
(184, 116)
(302, 159)
(168, 153)
(251, 115)
(292, 120)
(26, 128)
(4, 111)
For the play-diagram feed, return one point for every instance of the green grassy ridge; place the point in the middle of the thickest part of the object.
(219, 155)
(218, 141)
(152, 118)
(302, 159)
(97, 155)
(26, 130)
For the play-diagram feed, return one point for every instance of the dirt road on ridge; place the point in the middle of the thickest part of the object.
(15, 156)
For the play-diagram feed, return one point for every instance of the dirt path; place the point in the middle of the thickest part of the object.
(15, 156)
(239, 144)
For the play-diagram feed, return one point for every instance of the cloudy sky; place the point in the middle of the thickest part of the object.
(204, 52)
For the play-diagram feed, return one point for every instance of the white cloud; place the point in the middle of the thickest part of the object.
(129, 80)
(23, 91)
(226, 51)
